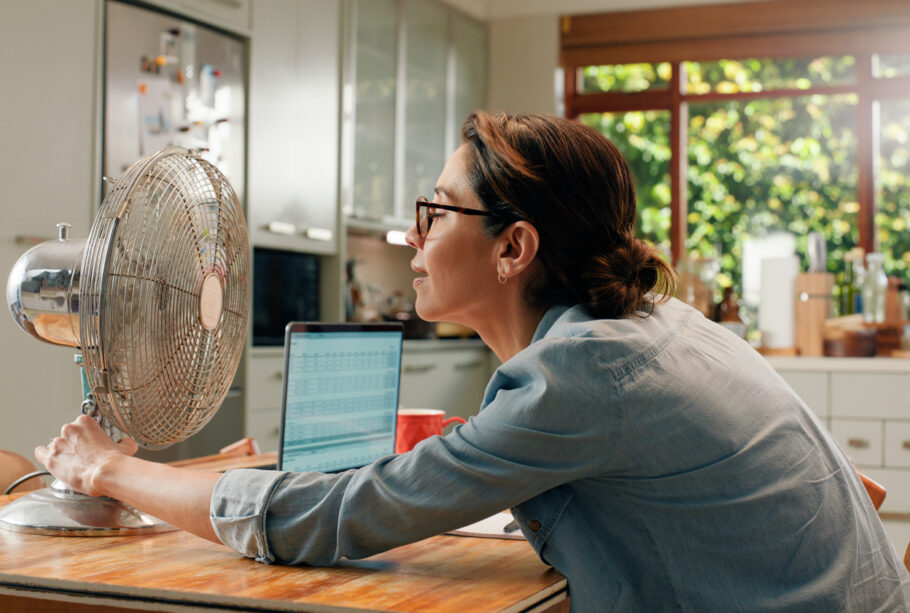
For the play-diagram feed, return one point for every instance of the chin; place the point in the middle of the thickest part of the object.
(428, 311)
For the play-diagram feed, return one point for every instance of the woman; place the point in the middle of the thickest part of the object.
(650, 456)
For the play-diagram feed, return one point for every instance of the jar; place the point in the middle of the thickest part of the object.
(875, 288)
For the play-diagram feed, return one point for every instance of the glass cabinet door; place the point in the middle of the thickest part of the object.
(426, 37)
(414, 69)
(469, 41)
(374, 29)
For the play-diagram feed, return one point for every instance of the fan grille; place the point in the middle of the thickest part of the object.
(158, 361)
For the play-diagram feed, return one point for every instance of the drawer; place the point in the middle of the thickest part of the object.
(264, 426)
(264, 375)
(812, 387)
(861, 439)
(881, 395)
(897, 445)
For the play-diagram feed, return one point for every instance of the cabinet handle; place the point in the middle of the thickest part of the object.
(281, 227)
(318, 234)
(858, 443)
(276, 376)
(906, 445)
(419, 368)
(466, 365)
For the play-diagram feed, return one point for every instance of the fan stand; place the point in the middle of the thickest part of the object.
(59, 510)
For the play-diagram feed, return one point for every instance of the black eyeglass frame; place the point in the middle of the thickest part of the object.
(423, 202)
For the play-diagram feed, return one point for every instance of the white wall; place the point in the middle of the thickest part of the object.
(524, 56)
(524, 46)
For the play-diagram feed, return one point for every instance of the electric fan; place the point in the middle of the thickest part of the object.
(157, 300)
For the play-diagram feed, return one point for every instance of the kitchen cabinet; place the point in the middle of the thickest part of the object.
(470, 42)
(864, 402)
(50, 171)
(413, 69)
(368, 128)
(294, 125)
(448, 375)
(263, 401)
(424, 152)
(231, 15)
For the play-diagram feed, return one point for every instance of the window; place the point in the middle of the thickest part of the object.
(741, 119)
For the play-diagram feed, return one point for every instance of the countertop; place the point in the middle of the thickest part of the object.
(856, 365)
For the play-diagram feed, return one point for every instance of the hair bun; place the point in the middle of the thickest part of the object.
(619, 281)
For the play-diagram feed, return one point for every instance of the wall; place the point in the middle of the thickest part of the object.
(524, 56)
(524, 47)
(50, 54)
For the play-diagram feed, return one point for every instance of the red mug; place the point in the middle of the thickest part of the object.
(414, 425)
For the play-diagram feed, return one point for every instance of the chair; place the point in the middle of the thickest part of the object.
(875, 490)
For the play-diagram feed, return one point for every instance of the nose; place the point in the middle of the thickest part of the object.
(412, 238)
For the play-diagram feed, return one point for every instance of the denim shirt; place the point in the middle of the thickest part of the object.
(657, 462)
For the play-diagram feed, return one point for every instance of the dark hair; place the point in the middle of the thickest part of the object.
(573, 185)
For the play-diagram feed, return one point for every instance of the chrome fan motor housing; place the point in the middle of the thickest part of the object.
(42, 290)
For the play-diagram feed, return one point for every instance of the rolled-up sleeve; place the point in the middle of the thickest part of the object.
(238, 510)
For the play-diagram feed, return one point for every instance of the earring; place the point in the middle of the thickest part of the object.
(502, 278)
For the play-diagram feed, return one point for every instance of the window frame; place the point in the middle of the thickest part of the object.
(763, 29)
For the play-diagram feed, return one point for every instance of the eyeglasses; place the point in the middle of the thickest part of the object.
(426, 212)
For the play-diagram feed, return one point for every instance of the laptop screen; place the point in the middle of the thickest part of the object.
(340, 397)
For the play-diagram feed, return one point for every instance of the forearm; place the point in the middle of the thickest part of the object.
(178, 496)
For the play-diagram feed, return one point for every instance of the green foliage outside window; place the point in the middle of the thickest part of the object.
(893, 195)
(643, 137)
(756, 165)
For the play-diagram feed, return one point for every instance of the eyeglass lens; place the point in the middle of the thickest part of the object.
(424, 217)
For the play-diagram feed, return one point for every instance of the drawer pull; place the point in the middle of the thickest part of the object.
(412, 368)
(466, 365)
(906, 445)
(858, 443)
(276, 376)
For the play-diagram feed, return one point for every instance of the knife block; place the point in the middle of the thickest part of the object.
(814, 304)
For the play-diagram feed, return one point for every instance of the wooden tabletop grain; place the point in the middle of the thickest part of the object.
(176, 570)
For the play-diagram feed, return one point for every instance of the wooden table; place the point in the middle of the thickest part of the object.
(176, 571)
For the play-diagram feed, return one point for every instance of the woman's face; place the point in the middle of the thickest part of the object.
(456, 262)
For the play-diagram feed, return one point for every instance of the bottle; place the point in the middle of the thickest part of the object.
(353, 297)
(875, 287)
(847, 288)
(728, 313)
(859, 272)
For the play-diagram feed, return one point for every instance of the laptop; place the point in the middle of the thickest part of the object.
(339, 401)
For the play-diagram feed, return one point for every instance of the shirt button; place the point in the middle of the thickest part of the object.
(534, 525)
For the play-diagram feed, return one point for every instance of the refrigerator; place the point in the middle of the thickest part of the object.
(171, 81)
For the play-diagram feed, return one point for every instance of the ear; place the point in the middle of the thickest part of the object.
(517, 249)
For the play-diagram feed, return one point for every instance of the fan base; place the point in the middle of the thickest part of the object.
(62, 512)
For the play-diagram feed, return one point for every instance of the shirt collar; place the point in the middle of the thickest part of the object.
(549, 318)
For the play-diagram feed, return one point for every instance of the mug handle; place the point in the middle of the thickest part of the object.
(460, 420)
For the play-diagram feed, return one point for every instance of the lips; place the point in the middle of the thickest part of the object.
(419, 271)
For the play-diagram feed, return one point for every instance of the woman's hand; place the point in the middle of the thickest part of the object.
(79, 455)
